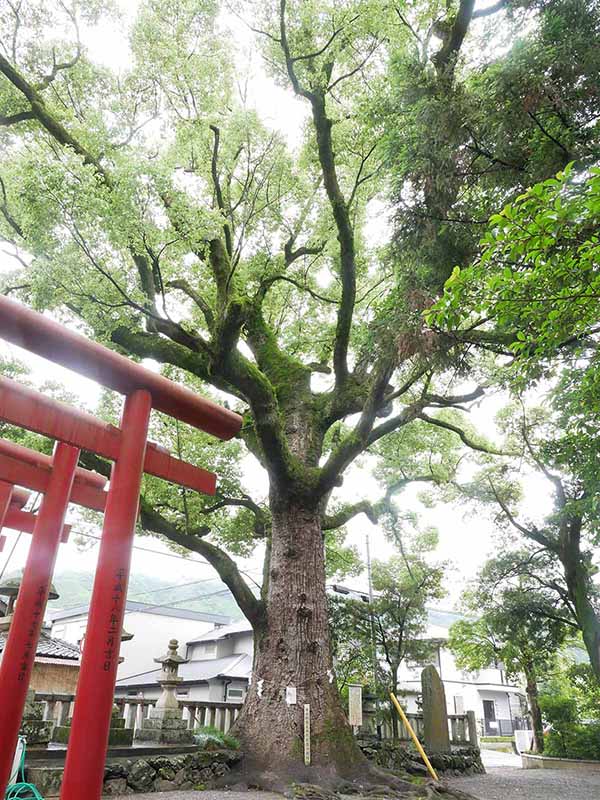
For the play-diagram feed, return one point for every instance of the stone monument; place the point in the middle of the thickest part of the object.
(435, 715)
(165, 723)
(36, 730)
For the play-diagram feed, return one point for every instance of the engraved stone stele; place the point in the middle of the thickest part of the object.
(165, 723)
(435, 715)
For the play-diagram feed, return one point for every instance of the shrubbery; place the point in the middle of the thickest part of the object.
(210, 738)
(569, 738)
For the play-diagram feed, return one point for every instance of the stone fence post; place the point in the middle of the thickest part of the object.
(472, 725)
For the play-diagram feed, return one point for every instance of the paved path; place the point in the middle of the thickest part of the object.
(507, 781)
(496, 758)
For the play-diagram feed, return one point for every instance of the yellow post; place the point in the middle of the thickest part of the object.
(422, 752)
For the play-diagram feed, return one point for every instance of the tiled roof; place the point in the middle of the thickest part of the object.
(222, 632)
(50, 647)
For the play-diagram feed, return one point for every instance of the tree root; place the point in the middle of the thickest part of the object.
(372, 783)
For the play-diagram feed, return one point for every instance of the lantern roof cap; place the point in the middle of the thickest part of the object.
(9, 587)
(172, 656)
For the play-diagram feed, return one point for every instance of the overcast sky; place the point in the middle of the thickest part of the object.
(465, 539)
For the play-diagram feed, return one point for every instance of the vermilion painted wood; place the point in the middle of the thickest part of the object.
(37, 479)
(32, 457)
(2, 543)
(38, 334)
(22, 406)
(21, 644)
(84, 766)
(24, 521)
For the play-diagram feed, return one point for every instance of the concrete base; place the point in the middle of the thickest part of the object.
(531, 761)
(164, 726)
(164, 736)
(117, 736)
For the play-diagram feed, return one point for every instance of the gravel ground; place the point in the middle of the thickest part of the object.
(205, 795)
(513, 783)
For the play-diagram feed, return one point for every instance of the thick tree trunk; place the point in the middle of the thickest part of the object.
(293, 651)
(536, 713)
(578, 585)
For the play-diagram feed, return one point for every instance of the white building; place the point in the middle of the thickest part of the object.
(219, 668)
(499, 705)
(152, 626)
(221, 663)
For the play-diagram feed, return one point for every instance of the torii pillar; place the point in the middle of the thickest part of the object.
(19, 652)
(84, 766)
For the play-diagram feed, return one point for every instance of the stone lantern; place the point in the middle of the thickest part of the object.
(9, 587)
(169, 678)
(165, 723)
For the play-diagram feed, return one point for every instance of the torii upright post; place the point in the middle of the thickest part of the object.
(84, 766)
(19, 652)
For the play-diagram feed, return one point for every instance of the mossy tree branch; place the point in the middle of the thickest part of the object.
(225, 566)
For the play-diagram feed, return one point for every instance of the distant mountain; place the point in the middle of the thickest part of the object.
(75, 588)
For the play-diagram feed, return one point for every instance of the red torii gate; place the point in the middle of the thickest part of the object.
(127, 446)
(33, 470)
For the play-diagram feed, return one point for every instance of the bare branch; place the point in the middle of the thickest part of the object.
(268, 282)
(184, 286)
(463, 435)
(14, 119)
(226, 567)
(487, 12)
(218, 191)
(531, 533)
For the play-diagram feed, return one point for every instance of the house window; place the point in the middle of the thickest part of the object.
(235, 694)
(459, 704)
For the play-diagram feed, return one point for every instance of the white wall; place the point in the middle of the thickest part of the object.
(152, 633)
(237, 644)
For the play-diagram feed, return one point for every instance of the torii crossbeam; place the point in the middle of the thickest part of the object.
(127, 446)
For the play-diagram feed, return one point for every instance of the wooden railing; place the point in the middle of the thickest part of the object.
(198, 713)
(462, 728)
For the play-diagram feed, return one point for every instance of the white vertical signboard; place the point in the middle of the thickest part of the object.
(355, 713)
(307, 735)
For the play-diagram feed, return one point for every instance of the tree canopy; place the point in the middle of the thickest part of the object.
(155, 208)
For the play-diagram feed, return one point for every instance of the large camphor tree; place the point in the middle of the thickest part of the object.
(153, 205)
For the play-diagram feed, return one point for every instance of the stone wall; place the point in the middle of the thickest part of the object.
(150, 774)
(401, 758)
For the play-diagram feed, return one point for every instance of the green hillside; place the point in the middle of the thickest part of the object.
(75, 588)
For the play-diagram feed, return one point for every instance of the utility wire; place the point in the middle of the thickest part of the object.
(10, 555)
